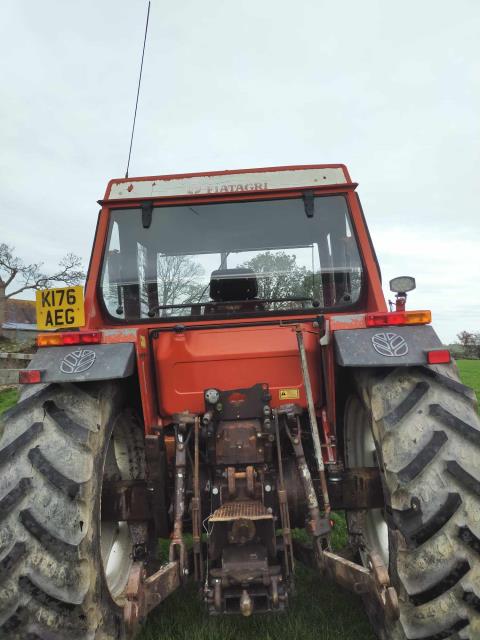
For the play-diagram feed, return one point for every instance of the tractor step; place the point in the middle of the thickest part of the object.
(246, 509)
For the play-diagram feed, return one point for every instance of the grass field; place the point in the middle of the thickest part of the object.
(318, 611)
(8, 397)
(470, 374)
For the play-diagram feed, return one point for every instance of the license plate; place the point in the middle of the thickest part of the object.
(60, 308)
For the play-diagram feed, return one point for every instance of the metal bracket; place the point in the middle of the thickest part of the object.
(143, 594)
(373, 581)
(359, 488)
(309, 203)
(157, 499)
(147, 210)
(325, 339)
(317, 447)
(177, 551)
(196, 508)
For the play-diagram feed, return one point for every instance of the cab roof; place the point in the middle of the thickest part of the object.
(228, 182)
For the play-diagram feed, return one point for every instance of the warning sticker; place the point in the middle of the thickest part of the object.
(289, 394)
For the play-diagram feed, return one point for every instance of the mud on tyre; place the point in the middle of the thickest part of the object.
(61, 570)
(425, 438)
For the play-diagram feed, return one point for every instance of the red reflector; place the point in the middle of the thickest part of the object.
(439, 356)
(29, 376)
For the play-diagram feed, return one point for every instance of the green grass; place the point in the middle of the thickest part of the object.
(470, 373)
(8, 397)
(318, 611)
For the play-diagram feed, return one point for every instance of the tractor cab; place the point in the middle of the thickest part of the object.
(273, 253)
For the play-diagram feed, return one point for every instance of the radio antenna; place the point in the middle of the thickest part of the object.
(138, 92)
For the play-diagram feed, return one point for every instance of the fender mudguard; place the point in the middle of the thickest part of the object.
(84, 363)
(385, 346)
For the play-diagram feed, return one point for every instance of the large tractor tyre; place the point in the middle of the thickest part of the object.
(420, 427)
(63, 569)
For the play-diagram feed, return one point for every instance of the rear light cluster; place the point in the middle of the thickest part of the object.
(68, 338)
(398, 318)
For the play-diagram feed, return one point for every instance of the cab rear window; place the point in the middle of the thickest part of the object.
(231, 258)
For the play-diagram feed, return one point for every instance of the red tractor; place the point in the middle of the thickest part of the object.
(233, 373)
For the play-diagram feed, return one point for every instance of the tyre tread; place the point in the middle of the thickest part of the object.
(66, 423)
(452, 385)
(10, 560)
(21, 441)
(466, 430)
(407, 404)
(58, 548)
(462, 623)
(46, 600)
(68, 486)
(467, 536)
(423, 458)
(463, 477)
(14, 497)
(417, 531)
(432, 500)
(446, 582)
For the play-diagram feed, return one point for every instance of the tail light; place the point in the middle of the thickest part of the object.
(68, 338)
(384, 319)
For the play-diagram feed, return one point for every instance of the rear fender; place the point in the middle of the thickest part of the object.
(385, 346)
(85, 363)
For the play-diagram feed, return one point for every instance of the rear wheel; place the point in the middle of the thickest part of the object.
(420, 427)
(62, 569)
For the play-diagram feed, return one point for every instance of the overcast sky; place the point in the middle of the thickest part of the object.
(392, 89)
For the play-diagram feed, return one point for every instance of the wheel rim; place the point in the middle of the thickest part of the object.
(115, 537)
(360, 452)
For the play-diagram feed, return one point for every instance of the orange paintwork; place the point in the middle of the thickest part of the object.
(192, 361)
(347, 321)
(185, 364)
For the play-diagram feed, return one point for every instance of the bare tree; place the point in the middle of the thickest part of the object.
(278, 274)
(476, 340)
(16, 276)
(178, 279)
(467, 340)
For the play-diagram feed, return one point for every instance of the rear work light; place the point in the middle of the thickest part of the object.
(68, 338)
(384, 319)
(438, 356)
(29, 376)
